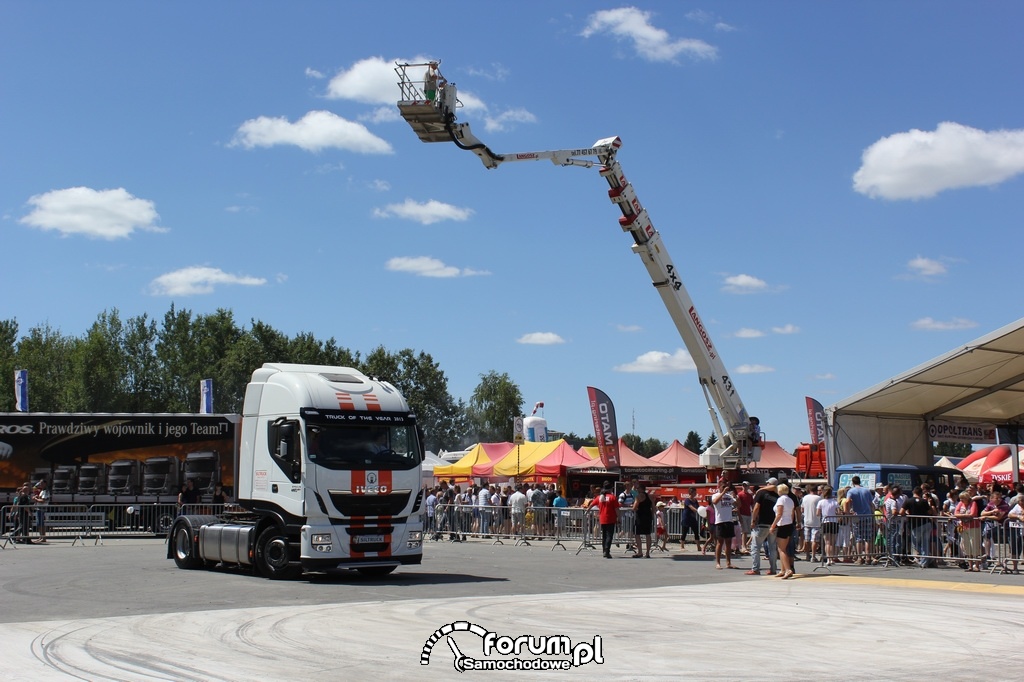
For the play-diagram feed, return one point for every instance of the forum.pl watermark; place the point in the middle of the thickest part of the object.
(523, 652)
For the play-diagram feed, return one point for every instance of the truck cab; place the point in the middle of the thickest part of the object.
(65, 479)
(203, 469)
(124, 477)
(161, 476)
(328, 472)
(92, 479)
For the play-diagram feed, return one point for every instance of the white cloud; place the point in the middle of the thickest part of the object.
(101, 214)
(540, 339)
(827, 376)
(786, 329)
(919, 164)
(197, 279)
(313, 73)
(370, 81)
(724, 27)
(933, 325)
(746, 333)
(315, 131)
(428, 213)
(754, 369)
(425, 266)
(628, 327)
(380, 185)
(651, 43)
(660, 362)
(507, 119)
(925, 268)
(744, 284)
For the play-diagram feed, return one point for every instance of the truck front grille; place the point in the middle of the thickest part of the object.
(350, 504)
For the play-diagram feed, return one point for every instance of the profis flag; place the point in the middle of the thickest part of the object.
(605, 430)
(21, 390)
(206, 396)
(815, 420)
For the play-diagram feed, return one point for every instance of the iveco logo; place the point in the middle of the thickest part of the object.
(371, 478)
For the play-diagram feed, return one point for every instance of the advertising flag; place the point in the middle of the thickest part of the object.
(21, 390)
(206, 396)
(815, 420)
(605, 430)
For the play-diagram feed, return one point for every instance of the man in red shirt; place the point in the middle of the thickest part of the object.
(744, 506)
(607, 514)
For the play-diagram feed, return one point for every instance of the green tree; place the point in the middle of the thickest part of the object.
(101, 367)
(952, 450)
(633, 442)
(495, 403)
(8, 355)
(425, 386)
(48, 355)
(712, 439)
(652, 446)
(578, 442)
(142, 369)
(693, 442)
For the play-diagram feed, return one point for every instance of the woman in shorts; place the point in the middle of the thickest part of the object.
(783, 526)
(828, 510)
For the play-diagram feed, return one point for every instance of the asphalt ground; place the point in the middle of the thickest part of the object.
(122, 611)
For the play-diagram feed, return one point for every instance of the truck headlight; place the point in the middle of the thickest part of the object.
(415, 539)
(321, 539)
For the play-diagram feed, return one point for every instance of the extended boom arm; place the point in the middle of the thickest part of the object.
(434, 121)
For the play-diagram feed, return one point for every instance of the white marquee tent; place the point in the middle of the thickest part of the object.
(981, 383)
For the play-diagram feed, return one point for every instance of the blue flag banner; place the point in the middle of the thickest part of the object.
(21, 390)
(206, 396)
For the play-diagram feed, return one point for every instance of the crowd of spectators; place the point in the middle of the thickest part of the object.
(970, 526)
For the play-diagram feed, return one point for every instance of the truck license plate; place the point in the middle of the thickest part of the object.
(367, 539)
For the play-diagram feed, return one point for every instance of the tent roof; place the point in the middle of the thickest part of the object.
(980, 382)
(678, 455)
(773, 457)
(524, 459)
(481, 453)
(991, 463)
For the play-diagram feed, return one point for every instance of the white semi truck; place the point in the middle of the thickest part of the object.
(328, 475)
(433, 119)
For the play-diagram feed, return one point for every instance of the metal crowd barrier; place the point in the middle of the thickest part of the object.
(79, 522)
(457, 523)
(921, 541)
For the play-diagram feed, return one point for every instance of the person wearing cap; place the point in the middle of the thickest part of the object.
(660, 533)
(762, 537)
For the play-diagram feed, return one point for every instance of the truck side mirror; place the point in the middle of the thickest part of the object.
(421, 440)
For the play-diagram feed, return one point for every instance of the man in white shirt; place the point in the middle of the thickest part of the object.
(517, 506)
(484, 505)
(812, 522)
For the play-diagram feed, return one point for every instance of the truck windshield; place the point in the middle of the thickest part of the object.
(362, 447)
(200, 465)
(158, 467)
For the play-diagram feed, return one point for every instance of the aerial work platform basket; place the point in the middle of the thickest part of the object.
(428, 101)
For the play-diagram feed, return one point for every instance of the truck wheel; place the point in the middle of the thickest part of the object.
(273, 555)
(376, 571)
(185, 551)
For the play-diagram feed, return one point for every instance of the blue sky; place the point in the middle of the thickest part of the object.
(839, 184)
